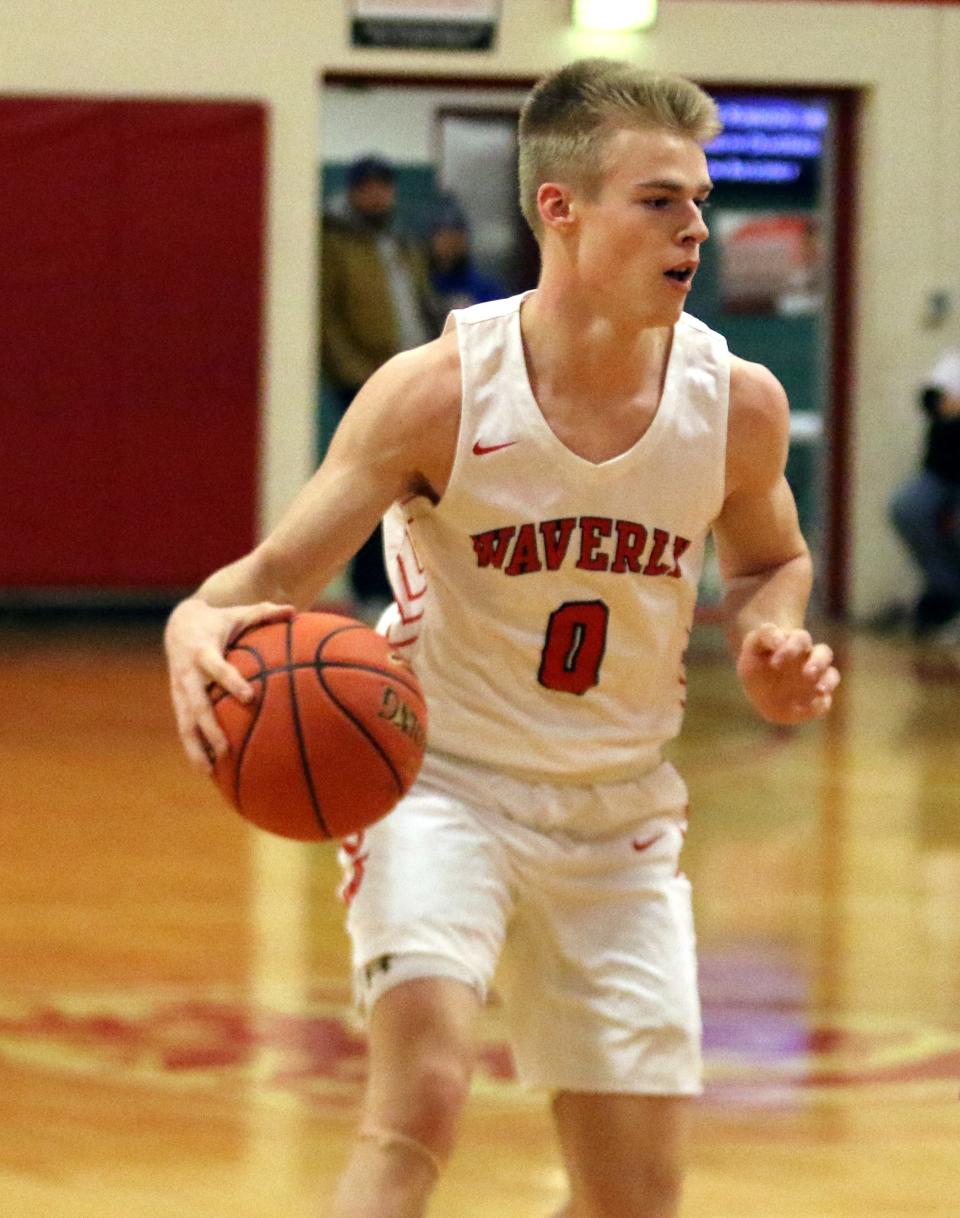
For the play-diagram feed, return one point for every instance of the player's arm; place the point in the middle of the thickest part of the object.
(764, 559)
(398, 437)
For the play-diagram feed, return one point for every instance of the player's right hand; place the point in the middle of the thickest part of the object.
(195, 639)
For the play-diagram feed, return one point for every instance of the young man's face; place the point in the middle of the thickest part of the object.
(639, 240)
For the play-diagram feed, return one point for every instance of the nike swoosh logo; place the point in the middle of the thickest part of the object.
(638, 845)
(481, 450)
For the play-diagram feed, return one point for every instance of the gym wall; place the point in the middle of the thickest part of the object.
(904, 57)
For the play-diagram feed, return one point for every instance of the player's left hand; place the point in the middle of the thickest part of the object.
(787, 677)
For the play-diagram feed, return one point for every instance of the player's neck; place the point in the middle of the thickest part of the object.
(567, 340)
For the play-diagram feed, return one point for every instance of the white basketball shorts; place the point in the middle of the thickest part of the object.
(599, 967)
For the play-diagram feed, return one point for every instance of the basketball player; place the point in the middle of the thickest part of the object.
(550, 468)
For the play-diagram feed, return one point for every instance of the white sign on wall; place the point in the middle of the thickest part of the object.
(439, 25)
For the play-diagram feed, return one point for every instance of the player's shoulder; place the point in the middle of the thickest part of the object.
(758, 432)
(705, 349)
(424, 382)
(695, 326)
(756, 396)
(428, 379)
(409, 412)
(486, 310)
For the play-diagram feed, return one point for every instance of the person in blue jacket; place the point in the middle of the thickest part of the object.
(454, 279)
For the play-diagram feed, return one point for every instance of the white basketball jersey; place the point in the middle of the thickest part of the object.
(546, 602)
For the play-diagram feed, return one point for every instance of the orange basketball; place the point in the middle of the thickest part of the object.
(334, 736)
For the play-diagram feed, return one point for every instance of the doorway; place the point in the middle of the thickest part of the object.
(776, 277)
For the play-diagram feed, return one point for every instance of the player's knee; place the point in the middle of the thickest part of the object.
(422, 1053)
(427, 1101)
(438, 1097)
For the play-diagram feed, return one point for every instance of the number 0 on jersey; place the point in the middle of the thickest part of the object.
(574, 645)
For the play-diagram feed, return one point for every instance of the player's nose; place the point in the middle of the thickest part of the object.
(696, 228)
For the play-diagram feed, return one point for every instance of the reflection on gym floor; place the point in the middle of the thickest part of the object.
(176, 1035)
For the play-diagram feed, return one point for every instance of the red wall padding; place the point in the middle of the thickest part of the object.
(131, 271)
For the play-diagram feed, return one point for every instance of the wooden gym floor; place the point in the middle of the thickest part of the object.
(175, 1032)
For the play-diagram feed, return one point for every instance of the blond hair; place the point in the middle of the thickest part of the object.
(568, 118)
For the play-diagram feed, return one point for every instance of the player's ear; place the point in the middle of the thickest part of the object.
(555, 205)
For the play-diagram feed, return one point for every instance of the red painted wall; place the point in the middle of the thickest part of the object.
(130, 339)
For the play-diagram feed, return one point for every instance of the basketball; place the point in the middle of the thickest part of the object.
(334, 735)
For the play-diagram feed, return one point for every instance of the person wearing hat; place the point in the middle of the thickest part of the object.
(454, 279)
(375, 302)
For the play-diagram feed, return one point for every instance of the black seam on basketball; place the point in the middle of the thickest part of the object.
(250, 651)
(248, 736)
(360, 726)
(410, 684)
(332, 634)
(217, 693)
(298, 727)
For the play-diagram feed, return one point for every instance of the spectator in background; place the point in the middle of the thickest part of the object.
(926, 510)
(455, 281)
(375, 302)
